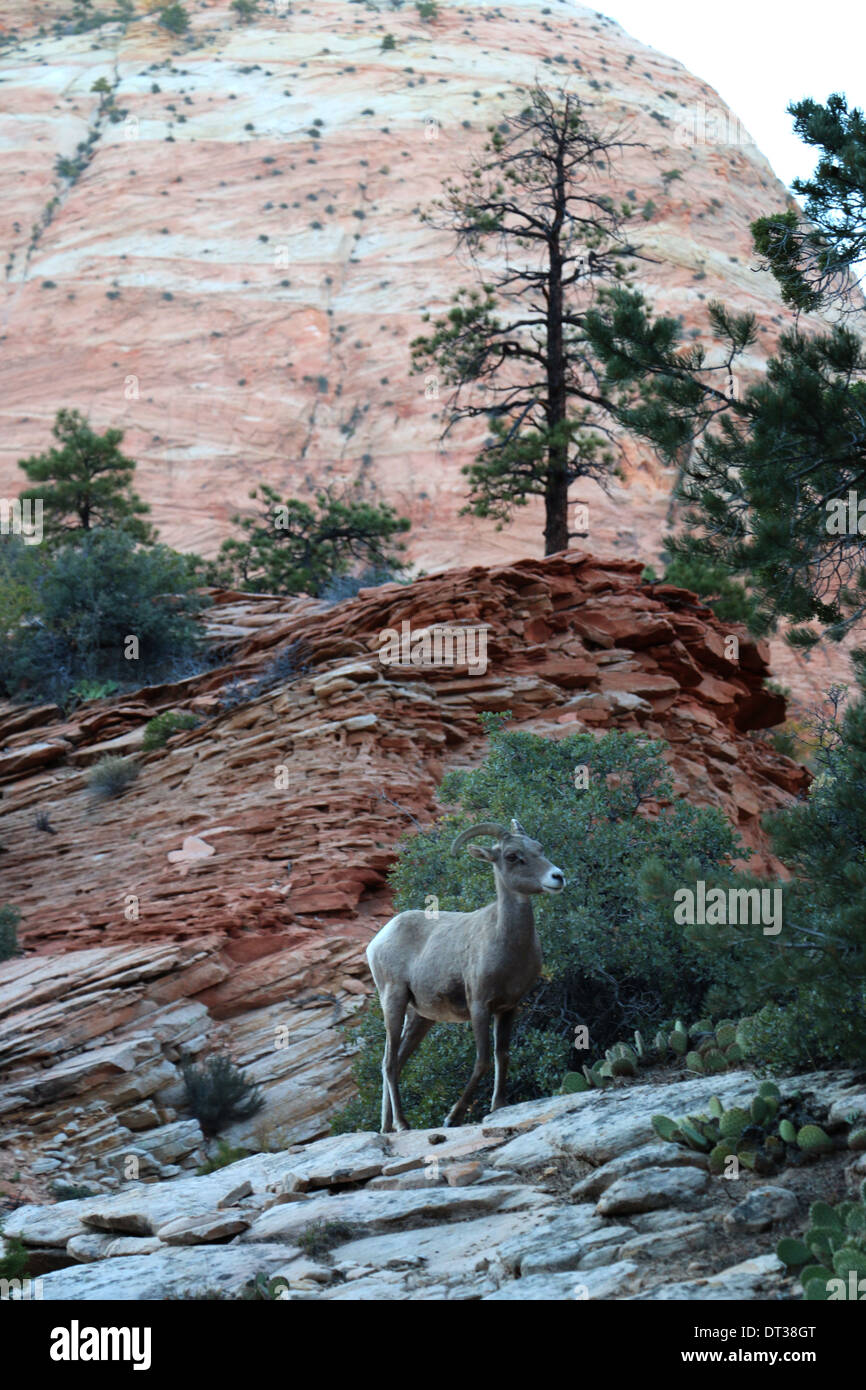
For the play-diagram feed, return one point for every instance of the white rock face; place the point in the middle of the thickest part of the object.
(317, 1223)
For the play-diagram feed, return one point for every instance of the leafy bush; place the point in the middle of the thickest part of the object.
(158, 731)
(9, 919)
(614, 960)
(217, 1092)
(14, 1260)
(83, 603)
(807, 985)
(110, 777)
(174, 18)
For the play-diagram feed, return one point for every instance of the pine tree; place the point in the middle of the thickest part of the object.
(85, 483)
(514, 346)
(291, 547)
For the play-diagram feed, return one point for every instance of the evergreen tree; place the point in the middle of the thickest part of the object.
(85, 483)
(292, 547)
(514, 346)
(819, 260)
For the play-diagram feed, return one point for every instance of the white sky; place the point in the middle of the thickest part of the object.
(760, 55)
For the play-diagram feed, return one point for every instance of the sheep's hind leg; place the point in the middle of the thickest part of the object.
(414, 1033)
(481, 1030)
(394, 1005)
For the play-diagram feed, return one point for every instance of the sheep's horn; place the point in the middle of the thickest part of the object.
(487, 827)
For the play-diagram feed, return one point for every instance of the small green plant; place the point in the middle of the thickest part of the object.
(13, 1261)
(9, 919)
(224, 1155)
(831, 1257)
(174, 18)
(110, 777)
(647, 212)
(159, 730)
(217, 1092)
(84, 690)
(428, 10)
(772, 1133)
(70, 1191)
(246, 10)
(388, 43)
(323, 1236)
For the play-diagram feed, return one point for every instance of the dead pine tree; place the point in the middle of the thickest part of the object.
(544, 237)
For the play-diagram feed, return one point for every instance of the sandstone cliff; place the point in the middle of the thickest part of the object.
(219, 899)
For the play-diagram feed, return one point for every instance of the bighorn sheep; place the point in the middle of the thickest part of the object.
(463, 966)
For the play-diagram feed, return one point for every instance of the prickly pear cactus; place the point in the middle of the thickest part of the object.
(831, 1257)
(771, 1133)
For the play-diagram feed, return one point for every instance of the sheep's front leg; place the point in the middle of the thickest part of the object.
(481, 1030)
(502, 1025)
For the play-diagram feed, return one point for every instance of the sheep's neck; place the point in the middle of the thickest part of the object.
(514, 912)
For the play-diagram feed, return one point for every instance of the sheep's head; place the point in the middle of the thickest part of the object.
(517, 858)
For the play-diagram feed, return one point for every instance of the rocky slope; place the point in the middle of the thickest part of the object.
(231, 890)
(569, 1198)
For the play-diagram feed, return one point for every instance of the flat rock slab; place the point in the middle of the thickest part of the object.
(444, 1251)
(169, 1273)
(657, 1155)
(204, 1227)
(346, 1158)
(92, 1247)
(762, 1207)
(609, 1281)
(653, 1188)
(138, 1210)
(375, 1211)
(600, 1125)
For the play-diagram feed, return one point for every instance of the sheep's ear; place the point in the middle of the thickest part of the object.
(479, 852)
(517, 828)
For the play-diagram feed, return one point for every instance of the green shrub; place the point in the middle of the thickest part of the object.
(110, 777)
(246, 10)
(806, 987)
(224, 1156)
(174, 18)
(79, 605)
(9, 919)
(388, 43)
(14, 1260)
(217, 1092)
(614, 960)
(159, 730)
(323, 1236)
(70, 1191)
